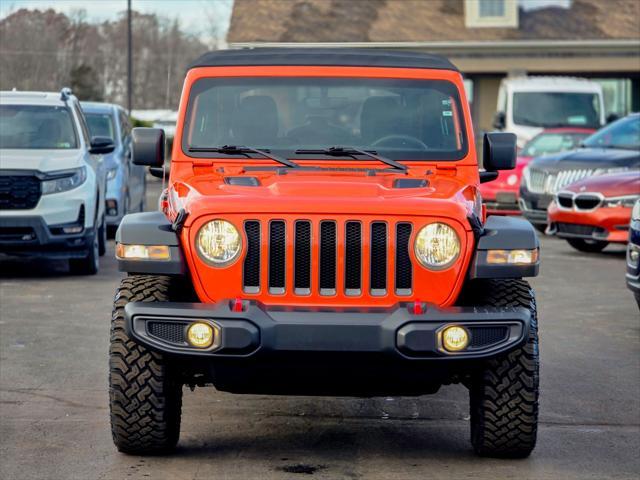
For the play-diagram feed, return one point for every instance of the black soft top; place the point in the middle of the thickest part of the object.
(352, 57)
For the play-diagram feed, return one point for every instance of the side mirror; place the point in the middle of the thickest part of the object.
(499, 120)
(499, 153)
(101, 145)
(148, 146)
(612, 117)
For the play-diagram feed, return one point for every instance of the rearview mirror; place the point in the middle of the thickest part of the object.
(148, 146)
(101, 145)
(499, 120)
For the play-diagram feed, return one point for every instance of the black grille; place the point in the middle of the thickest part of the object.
(485, 336)
(167, 331)
(328, 245)
(17, 234)
(378, 257)
(252, 260)
(587, 202)
(353, 257)
(575, 229)
(404, 271)
(277, 256)
(302, 254)
(565, 200)
(19, 192)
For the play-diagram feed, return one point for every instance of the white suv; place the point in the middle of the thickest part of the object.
(52, 182)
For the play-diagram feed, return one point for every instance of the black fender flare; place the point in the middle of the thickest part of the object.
(504, 233)
(150, 228)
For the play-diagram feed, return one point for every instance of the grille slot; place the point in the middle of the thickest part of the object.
(378, 258)
(353, 258)
(168, 331)
(565, 200)
(302, 258)
(251, 272)
(19, 192)
(587, 202)
(277, 256)
(485, 336)
(580, 230)
(328, 256)
(404, 269)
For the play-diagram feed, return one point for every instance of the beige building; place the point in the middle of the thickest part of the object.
(486, 39)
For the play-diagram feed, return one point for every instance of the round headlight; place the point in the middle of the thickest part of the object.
(437, 246)
(218, 242)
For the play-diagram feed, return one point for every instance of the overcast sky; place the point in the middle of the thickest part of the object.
(194, 15)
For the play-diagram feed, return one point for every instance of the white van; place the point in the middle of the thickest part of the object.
(528, 105)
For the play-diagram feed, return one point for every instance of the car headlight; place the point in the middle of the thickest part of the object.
(64, 180)
(111, 173)
(437, 246)
(218, 242)
(627, 201)
(512, 179)
(635, 213)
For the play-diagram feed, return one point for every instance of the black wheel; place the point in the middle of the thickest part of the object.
(102, 237)
(90, 264)
(145, 396)
(589, 246)
(504, 393)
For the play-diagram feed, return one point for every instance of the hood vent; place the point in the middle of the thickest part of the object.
(242, 181)
(410, 183)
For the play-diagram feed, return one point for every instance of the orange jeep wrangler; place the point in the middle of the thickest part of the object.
(322, 234)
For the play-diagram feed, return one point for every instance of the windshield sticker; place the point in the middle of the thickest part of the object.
(447, 113)
(577, 120)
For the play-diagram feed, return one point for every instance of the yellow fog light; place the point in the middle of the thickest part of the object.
(455, 338)
(513, 257)
(200, 335)
(143, 252)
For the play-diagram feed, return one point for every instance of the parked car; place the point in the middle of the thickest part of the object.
(633, 253)
(527, 105)
(501, 195)
(126, 182)
(323, 235)
(595, 211)
(52, 180)
(614, 148)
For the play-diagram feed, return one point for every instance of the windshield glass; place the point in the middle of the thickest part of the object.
(35, 126)
(624, 133)
(555, 109)
(548, 143)
(399, 119)
(101, 125)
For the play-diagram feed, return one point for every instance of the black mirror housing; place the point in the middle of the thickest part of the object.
(101, 145)
(499, 120)
(499, 151)
(148, 146)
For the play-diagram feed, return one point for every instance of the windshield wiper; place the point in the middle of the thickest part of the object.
(243, 150)
(352, 152)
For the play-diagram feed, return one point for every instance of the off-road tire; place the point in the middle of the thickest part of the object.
(90, 264)
(589, 246)
(504, 393)
(145, 396)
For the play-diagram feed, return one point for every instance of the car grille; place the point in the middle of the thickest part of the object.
(577, 229)
(19, 192)
(172, 332)
(580, 201)
(347, 251)
(540, 181)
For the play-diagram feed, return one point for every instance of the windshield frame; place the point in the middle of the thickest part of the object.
(466, 141)
(76, 137)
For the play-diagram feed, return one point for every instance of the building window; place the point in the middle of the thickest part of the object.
(491, 8)
(491, 13)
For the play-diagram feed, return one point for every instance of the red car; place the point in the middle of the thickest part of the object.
(595, 211)
(501, 195)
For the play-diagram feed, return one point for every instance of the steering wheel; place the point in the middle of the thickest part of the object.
(397, 140)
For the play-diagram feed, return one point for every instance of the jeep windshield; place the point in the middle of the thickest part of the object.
(303, 117)
(36, 127)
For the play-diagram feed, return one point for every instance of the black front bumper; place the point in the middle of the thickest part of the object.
(534, 206)
(31, 236)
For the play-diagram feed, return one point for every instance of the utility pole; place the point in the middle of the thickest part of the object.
(129, 60)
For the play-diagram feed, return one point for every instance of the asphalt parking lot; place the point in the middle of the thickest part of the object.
(54, 424)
